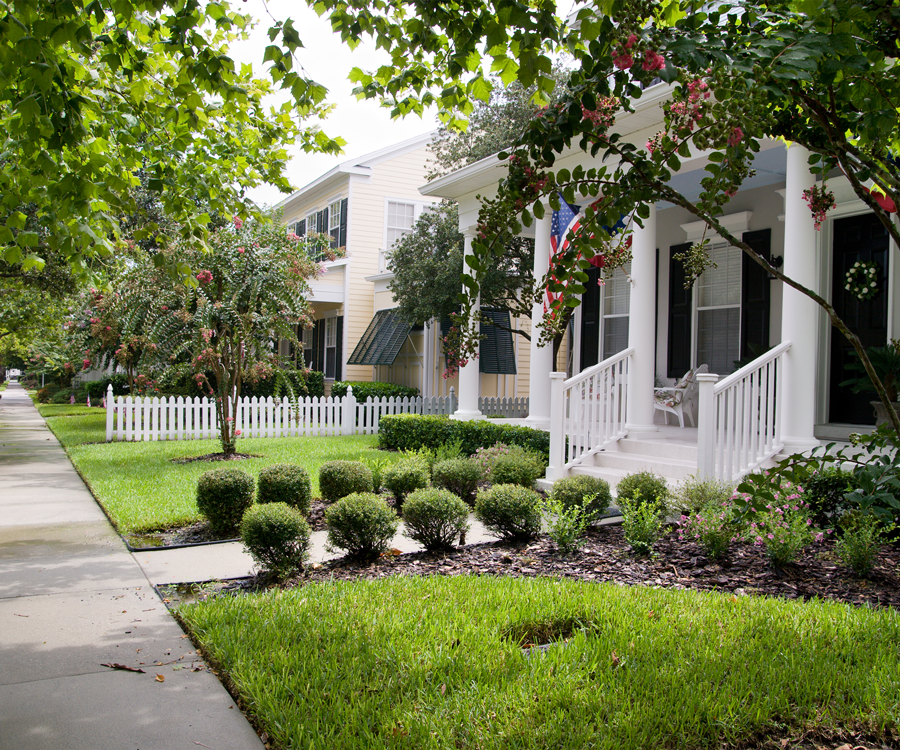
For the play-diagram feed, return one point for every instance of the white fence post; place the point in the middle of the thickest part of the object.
(453, 402)
(557, 426)
(348, 412)
(706, 425)
(110, 411)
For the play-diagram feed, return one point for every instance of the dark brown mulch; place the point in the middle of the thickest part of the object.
(214, 457)
(605, 557)
(674, 564)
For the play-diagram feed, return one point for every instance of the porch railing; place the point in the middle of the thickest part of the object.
(739, 418)
(509, 407)
(588, 411)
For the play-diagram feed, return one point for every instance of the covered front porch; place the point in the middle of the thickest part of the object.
(773, 364)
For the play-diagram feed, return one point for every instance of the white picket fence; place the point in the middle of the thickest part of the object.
(171, 418)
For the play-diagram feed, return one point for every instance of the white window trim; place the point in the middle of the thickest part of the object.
(604, 317)
(418, 207)
(696, 309)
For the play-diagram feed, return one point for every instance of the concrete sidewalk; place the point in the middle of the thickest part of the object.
(73, 598)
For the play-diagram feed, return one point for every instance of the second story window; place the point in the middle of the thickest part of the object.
(334, 223)
(400, 218)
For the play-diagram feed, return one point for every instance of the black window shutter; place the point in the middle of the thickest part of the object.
(590, 320)
(755, 296)
(342, 237)
(339, 348)
(322, 221)
(301, 228)
(318, 343)
(680, 313)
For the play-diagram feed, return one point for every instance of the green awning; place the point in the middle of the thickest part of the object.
(382, 341)
(497, 355)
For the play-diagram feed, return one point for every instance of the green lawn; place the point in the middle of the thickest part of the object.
(142, 490)
(436, 663)
(72, 410)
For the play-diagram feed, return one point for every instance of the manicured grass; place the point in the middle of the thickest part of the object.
(436, 663)
(69, 410)
(142, 490)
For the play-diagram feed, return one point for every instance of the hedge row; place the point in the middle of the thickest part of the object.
(363, 390)
(413, 431)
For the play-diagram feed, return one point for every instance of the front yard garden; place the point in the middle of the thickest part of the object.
(142, 489)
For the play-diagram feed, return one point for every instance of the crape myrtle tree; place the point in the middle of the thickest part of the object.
(428, 262)
(248, 291)
(820, 74)
(94, 93)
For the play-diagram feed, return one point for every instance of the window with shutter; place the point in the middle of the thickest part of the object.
(334, 223)
(719, 310)
(300, 231)
(310, 223)
(616, 306)
(755, 297)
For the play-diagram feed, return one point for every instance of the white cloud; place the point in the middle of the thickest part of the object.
(365, 125)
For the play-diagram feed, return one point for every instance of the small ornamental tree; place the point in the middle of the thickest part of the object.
(247, 292)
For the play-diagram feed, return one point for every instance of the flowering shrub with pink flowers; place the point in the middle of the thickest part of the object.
(784, 530)
(712, 527)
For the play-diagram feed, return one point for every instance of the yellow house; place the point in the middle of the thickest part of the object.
(367, 204)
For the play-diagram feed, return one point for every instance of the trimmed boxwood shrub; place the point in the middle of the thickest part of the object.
(405, 476)
(518, 467)
(458, 475)
(435, 518)
(412, 431)
(571, 492)
(276, 536)
(509, 511)
(223, 495)
(285, 483)
(338, 479)
(362, 524)
(363, 390)
(646, 485)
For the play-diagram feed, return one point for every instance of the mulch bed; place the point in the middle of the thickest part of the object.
(214, 457)
(606, 557)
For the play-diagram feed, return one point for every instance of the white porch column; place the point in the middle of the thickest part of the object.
(642, 328)
(541, 356)
(469, 376)
(798, 316)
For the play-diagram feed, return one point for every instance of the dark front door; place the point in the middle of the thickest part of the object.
(857, 238)
(590, 320)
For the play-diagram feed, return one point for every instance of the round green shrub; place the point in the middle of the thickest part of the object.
(285, 483)
(571, 492)
(824, 493)
(646, 485)
(435, 518)
(405, 476)
(509, 511)
(362, 524)
(338, 479)
(276, 536)
(223, 495)
(521, 468)
(458, 475)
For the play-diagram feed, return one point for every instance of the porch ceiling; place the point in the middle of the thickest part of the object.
(770, 165)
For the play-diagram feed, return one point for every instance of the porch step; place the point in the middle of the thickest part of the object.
(662, 449)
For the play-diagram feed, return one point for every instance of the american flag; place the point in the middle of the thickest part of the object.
(567, 218)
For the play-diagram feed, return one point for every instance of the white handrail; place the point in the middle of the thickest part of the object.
(739, 418)
(587, 411)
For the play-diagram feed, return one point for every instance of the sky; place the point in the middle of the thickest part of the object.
(363, 124)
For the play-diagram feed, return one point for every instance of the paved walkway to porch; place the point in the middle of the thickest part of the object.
(72, 598)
